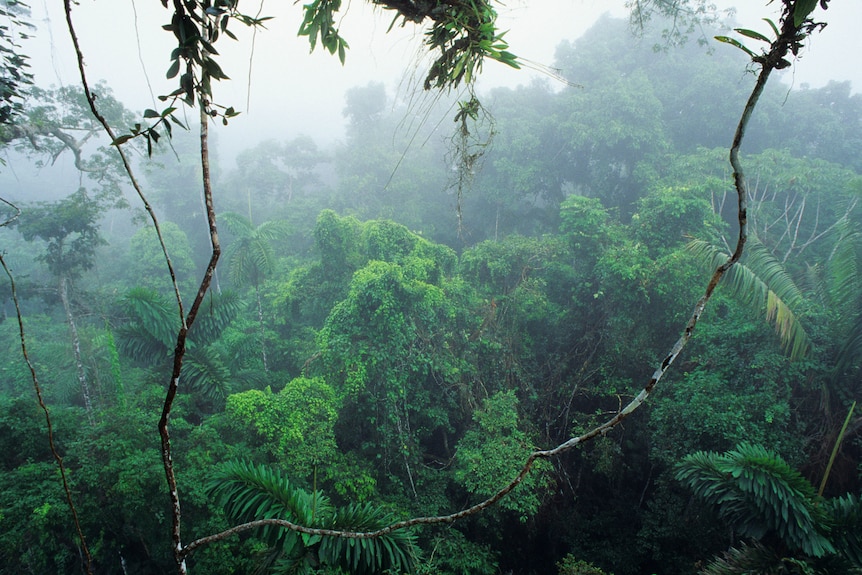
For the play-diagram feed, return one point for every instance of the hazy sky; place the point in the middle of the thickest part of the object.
(294, 92)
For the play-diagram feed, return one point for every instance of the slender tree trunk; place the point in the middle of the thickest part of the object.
(76, 346)
(262, 333)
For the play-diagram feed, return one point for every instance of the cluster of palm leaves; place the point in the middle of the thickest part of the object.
(766, 283)
(790, 528)
(148, 336)
(249, 492)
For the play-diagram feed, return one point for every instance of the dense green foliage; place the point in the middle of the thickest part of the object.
(366, 343)
(764, 499)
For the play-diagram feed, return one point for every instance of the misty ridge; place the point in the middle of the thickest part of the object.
(400, 319)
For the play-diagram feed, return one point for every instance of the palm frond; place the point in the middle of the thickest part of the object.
(393, 552)
(247, 492)
(757, 492)
(762, 283)
(851, 348)
(236, 224)
(846, 518)
(845, 282)
(216, 312)
(272, 230)
(250, 255)
(745, 560)
(204, 372)
(150, 328)
(845, 287)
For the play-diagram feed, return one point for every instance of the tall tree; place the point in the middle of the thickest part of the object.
(252, 259)
(70, 228)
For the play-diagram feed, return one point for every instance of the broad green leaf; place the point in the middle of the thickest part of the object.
(802, 10)
(174, 69)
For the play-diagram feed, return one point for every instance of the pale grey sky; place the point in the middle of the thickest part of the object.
(294, 92)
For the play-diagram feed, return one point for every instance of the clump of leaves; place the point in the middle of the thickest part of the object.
(463, 33)
(569, 565)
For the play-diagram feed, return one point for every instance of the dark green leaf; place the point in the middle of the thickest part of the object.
(174, 69)
(801, 10)
(122, 139)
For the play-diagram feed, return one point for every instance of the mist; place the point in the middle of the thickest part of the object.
(283, 90)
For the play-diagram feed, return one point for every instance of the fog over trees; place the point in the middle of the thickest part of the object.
(607, 321)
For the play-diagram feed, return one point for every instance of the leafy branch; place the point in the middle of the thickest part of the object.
(797, 17)
(463, 33)
(196, 26)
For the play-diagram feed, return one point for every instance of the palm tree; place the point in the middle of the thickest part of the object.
(248, 492)
(251, 259)
(148, 336)
(793, 530)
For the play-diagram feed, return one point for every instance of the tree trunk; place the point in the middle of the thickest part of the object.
(262, 334)
(76, 346)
